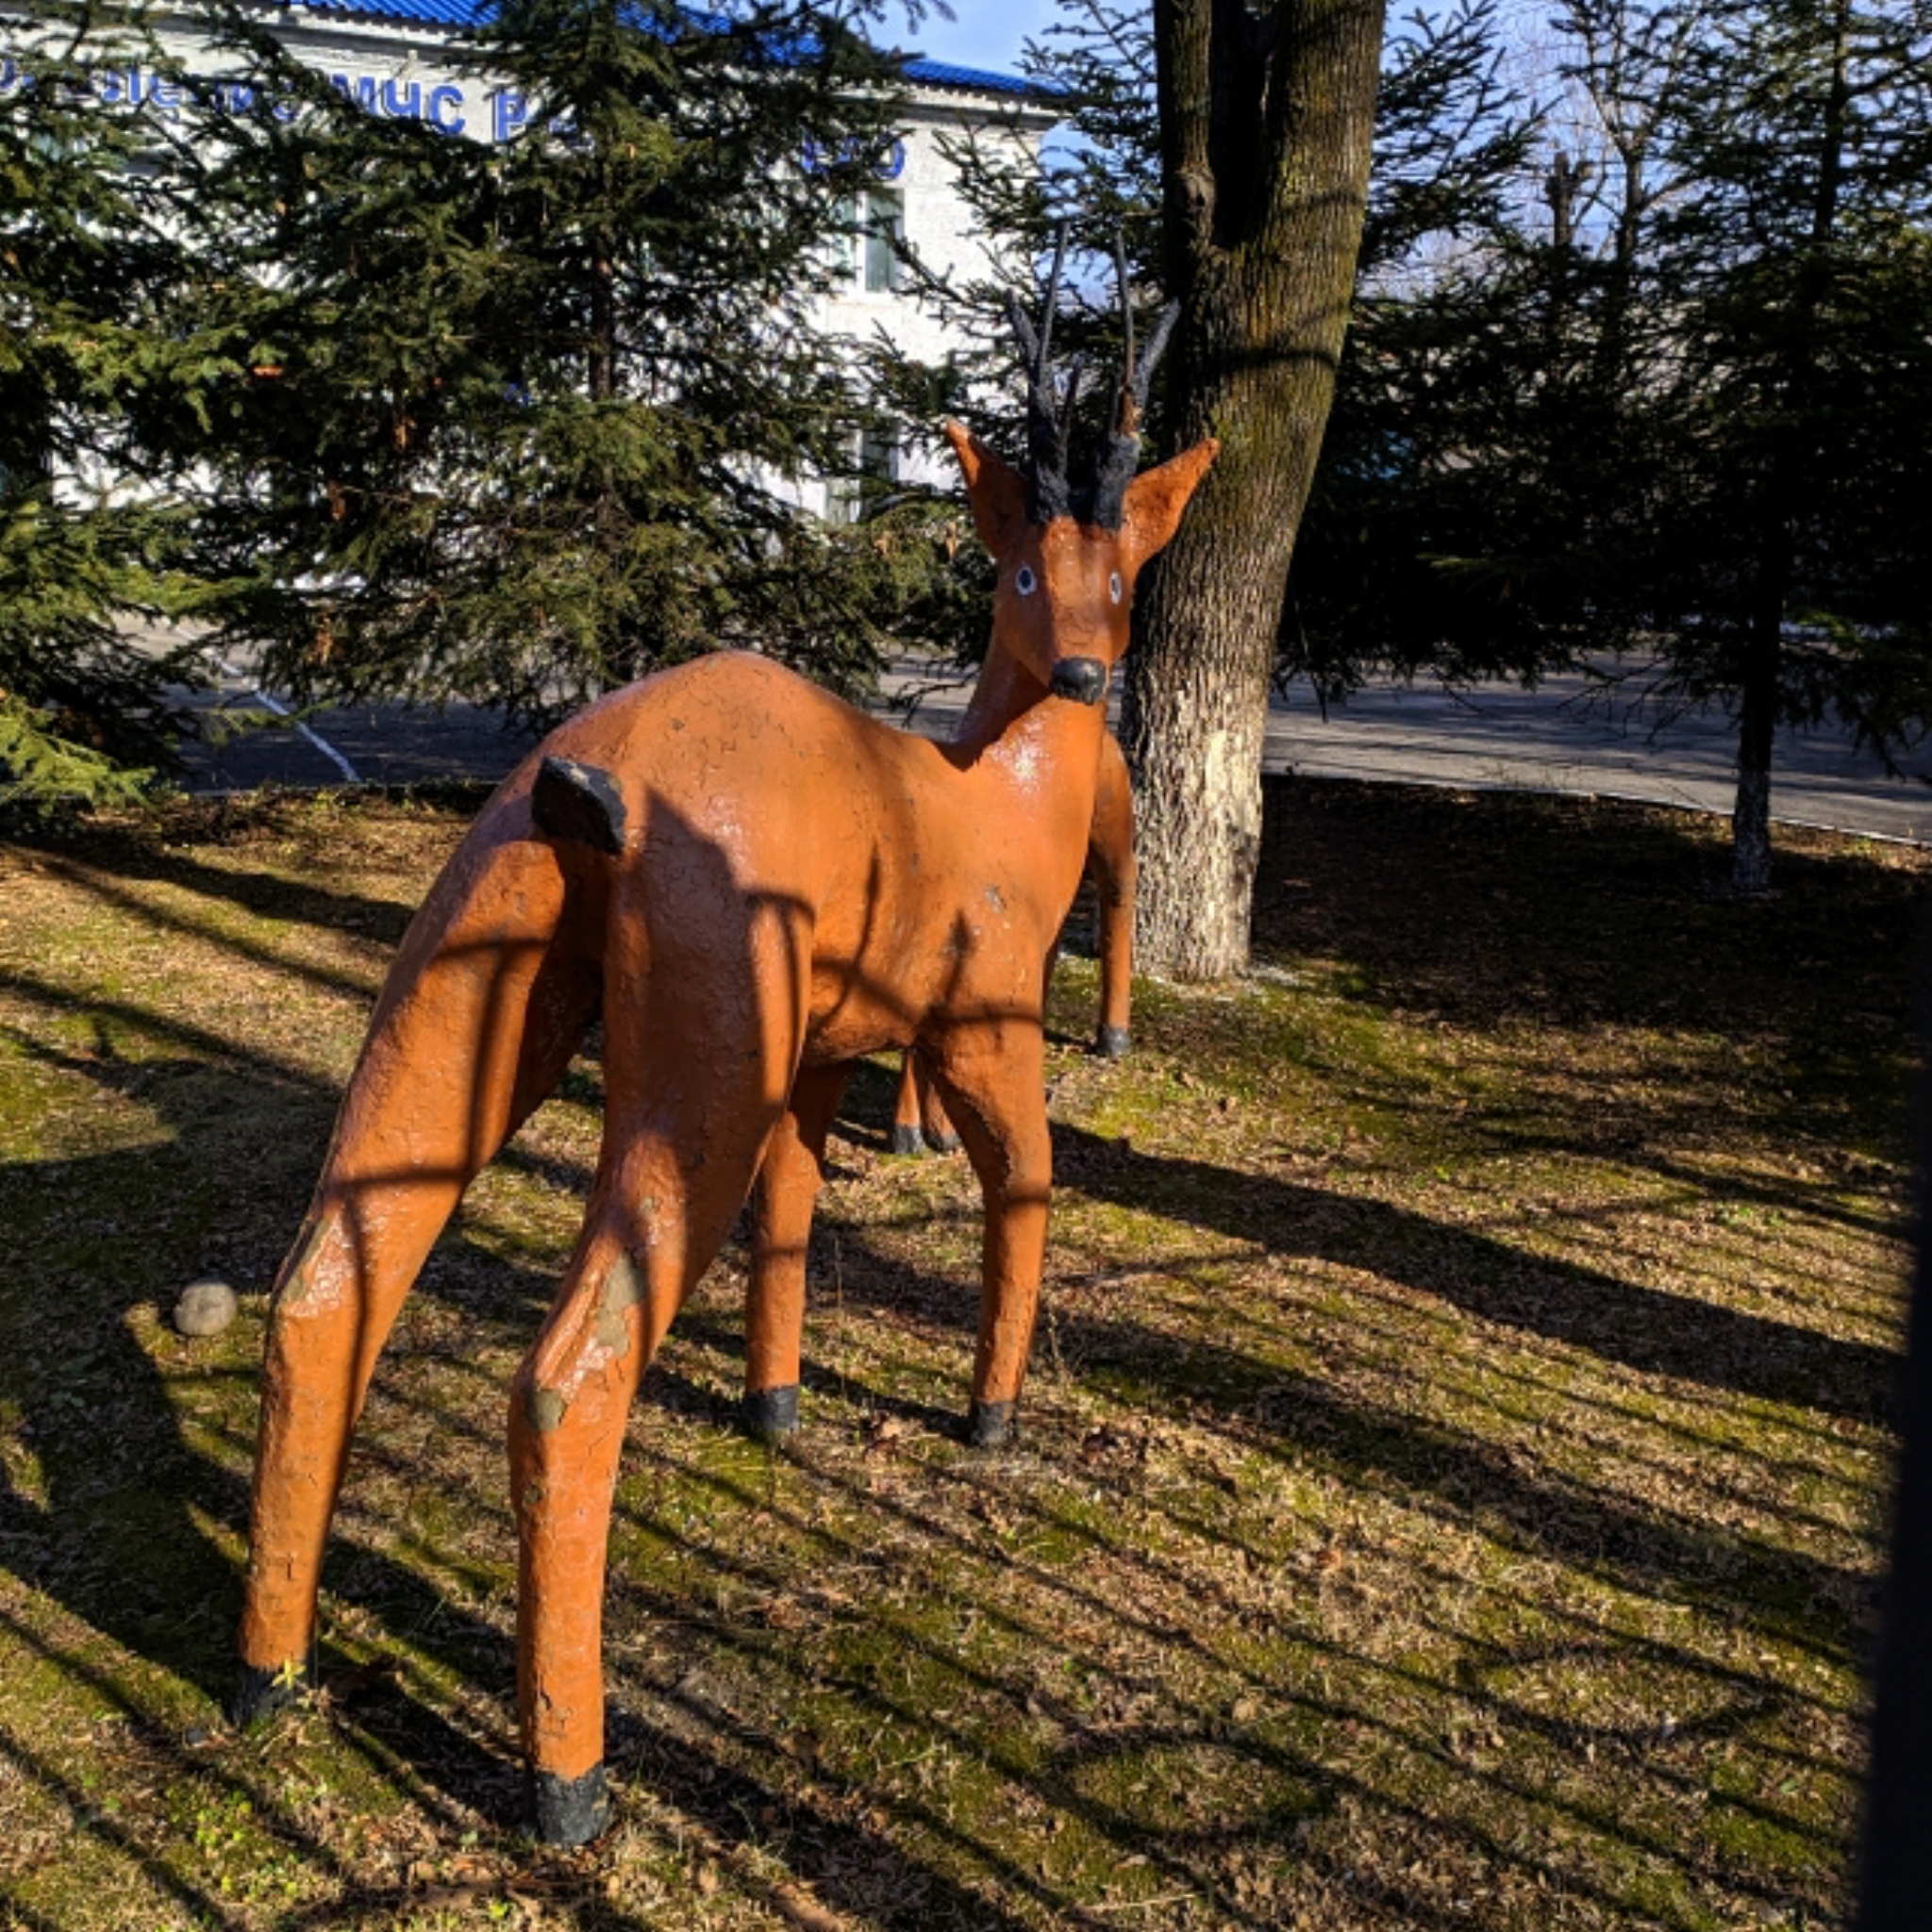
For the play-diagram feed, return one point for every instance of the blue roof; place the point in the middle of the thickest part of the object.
(460, 13)
(945, 74)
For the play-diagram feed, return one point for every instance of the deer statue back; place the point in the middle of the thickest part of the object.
(754, 884)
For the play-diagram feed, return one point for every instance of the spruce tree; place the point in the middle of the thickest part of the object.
(1794, 274)
(1672, 426)
(522, 420)
(92, 345)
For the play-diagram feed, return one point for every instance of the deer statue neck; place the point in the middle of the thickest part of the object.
(1008, 696)
(1038, 750)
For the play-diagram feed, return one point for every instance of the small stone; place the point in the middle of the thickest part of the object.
(206, 1308)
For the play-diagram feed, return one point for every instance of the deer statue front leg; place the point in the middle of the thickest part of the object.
(919, 1121)
(1014, 1166)
(993, 1078)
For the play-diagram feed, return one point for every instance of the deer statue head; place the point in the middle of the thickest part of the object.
(1067, 554)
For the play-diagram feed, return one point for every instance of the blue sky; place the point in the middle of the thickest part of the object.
(986, 34)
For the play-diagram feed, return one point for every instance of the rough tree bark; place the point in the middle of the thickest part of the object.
(1266, 117)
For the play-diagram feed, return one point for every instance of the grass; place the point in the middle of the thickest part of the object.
(1455, 1452)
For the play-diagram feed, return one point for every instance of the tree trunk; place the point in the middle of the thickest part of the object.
(1266, 122)
(1757, 723)
(602, 360)
(1763, 662)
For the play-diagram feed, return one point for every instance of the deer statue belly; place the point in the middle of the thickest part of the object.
(753, 884)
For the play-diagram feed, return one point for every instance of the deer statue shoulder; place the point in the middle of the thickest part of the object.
(754, 884)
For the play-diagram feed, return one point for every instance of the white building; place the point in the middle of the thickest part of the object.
(396, 59)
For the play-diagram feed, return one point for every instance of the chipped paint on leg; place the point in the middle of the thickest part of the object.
(623, 1290)
(315, 1278)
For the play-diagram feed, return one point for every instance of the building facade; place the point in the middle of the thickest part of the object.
(398, 58)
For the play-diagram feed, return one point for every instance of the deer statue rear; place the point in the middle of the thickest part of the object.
(754, 884)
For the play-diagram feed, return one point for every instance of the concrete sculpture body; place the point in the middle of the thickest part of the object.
(755, 884)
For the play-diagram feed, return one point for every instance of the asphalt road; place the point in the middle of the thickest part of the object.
(1553, 738)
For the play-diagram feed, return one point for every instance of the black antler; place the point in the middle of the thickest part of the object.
(1050, 409)
(1048, 421)
(1121, 457)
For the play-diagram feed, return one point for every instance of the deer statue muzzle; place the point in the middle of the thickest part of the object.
(754, 885)
(1083, 679)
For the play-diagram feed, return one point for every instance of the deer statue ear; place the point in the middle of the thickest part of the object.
(1156, 498)
(996, 490)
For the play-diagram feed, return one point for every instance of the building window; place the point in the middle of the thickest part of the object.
(848, 498)
(867, 226)
(847, 241)
(885, 226)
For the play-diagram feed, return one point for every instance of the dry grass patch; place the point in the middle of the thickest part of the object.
(1455, 1458)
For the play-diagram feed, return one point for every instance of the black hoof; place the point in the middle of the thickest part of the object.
(991, 1425)
(1110, 1043)
(907, 1139)
(260, 1693)
(771, 1413)
(944, 1144)
(570, 1810)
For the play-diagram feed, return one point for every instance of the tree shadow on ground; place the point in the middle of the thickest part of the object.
(1619, 1322)
(134, 856)
(1482, 909)
(117, 1535)
(1442, 1470)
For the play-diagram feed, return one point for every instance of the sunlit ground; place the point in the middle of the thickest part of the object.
(1454, 1466)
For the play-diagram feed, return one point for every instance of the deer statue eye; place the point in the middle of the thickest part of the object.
(1025, 581)
(1113, 587)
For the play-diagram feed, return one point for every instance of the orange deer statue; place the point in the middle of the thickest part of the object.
(754, 884)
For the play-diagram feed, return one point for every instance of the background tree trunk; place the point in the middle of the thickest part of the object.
(1791, 471)
(1757, 725)
(1266, 119)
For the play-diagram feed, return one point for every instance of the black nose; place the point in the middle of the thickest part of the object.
(1083, 679)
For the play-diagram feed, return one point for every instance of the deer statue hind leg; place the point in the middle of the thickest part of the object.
(704, 1020)
(908, 1136)
(1111, 858)
(788, 1191)
(487, 1000)
(934, 1123)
